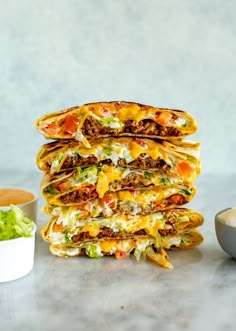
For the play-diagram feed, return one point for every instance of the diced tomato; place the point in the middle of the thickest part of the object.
(87, 188)
(118, 105)
(120, 255)
(63, 186)
(105, 112)
(184, 168)
(177, 199)
(71, 124)
(108, 201)
(164, 118)
(51, 128)
(161, 204)
(84, 206)
(140, 142)
(132, 191)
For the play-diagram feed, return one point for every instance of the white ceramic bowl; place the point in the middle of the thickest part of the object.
(226, 234)
(16, 257)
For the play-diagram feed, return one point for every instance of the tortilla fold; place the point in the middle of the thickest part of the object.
(116, 118)
(136, 246)
(142, 153)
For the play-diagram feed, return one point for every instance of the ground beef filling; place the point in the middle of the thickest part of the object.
(79, 196)
(78, 161)
(167, 232)
(108, 233)
(131, 209)
(83, 194)
(93, 128)
(142, 162)
(149, 127)
(133, 180)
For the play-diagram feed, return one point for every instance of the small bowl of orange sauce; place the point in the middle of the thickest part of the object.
(25, 199)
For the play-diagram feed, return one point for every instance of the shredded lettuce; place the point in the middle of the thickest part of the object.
(147, 174)
(92, 250)
(13, 224)
(138, 253)
(165, 180)
(107, 150)
(51, 189)
(186, 192)
(68, 238)
(183, 242)
(184, 219)
(111, 122)
(89, 174)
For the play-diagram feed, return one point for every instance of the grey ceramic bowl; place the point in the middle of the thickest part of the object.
(226, 235)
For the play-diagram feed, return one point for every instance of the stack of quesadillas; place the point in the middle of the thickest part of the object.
(116, 179)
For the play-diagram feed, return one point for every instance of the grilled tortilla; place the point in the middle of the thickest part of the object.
(128, 202)
(122, 235)
(103, 119)
(139, 246)
(70, 229)
(93, 182)
(176, 156)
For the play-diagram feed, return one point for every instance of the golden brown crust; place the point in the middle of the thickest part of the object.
(191, 239)
(179, 226)
(90, 192)
(114, 107)
(76, 154)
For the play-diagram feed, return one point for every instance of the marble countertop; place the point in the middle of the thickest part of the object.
(107, 294)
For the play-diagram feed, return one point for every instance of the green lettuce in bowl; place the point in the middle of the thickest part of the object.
(13, 224)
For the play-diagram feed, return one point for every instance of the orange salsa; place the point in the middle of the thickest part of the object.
(14, 196)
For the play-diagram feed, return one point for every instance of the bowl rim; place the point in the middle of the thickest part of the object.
(23, 188)
(218, 219)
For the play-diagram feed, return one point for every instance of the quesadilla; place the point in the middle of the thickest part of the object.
(177, 156)
(128, 202)
(122, 235)
(94, 182)
(103, 119)
(70, 229)
(139, 246)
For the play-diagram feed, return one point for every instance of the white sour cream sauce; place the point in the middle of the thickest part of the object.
(229, 217)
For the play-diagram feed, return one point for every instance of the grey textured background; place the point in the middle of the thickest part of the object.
(174, 53)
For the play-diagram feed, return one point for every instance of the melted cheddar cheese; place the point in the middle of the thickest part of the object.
(151, 223)
(150, 148)
(108, 245)
(125, 195)
(108, 175)
(129, 149)
(131, 112)
(114, 115)
(93, 229)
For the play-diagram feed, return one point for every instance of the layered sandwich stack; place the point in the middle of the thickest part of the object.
(116, 179)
